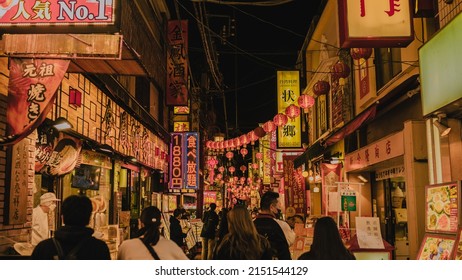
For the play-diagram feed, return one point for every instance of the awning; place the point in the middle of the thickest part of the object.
(318, 148)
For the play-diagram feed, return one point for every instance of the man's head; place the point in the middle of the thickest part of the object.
(270, 203)
(48, 201)
(213, 206)
(76, 210)
(177, 213)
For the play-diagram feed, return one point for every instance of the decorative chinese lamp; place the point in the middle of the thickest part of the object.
(231, 169)
(360, 53)
(340, 70)
(244, 140)
(259, 156)
(226, 144)
(269, 126)
(254, 165)
(221, 145)
(280, 119)
(321, 87)
(252, 136)
(237, 142)
(229, 155)
(259, 132)
(208, 144)
(221, 169)
(243, 169)
(292, 111)
(244, 152)
(305, 102)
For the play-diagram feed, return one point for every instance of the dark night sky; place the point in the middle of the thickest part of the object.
(266, 39)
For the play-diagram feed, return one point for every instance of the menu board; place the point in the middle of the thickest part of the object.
(436, 247)
(442, 210)
(458, 246)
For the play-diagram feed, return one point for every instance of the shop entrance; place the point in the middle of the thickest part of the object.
(131, 201)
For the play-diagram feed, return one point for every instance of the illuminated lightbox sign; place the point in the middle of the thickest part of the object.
(377, 23)
(57, 13)
(184, 161)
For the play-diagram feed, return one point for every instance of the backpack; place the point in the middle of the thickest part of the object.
(72, 255)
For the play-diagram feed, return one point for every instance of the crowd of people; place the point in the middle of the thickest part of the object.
(231, 234)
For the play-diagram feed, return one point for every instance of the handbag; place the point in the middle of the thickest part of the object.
(151, 250)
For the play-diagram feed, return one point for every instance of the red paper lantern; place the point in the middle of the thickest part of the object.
(237, 142)
(208, 144)
(293, 111)
(221, 169)
(231, 169)
(340, 70)
(252, 136)
(305, 102)
(254, 165)
(221, 145)
(280, 119)
(358, 53)
(269, 126)
(321, 87)
(244, 139)
(259, 155)
(259, 132)
(244, 152)
(229, 155)
(243, 168)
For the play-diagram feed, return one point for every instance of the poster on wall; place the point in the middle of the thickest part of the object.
(442, 207)
(458, 246)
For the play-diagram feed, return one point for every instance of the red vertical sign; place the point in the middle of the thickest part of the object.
(294, 186)
(176, 164)
(177, 63)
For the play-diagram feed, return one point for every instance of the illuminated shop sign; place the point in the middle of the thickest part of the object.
(176, 161)
(288, 91)
(184, 161)
(17, 13)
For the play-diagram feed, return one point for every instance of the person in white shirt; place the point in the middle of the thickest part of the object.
(150, 245)
(40, 229)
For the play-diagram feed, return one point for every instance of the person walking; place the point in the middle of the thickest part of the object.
(208, 232)
(278, 232)
(151, 244)
(74, 240)
(242, 242)
(223, 225)
(327, 243)
(176, 232)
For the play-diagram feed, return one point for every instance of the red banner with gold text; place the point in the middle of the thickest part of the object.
(31, 92)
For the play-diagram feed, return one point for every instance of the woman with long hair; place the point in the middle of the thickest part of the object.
(151, 244)
(327, 243)
(242, 242)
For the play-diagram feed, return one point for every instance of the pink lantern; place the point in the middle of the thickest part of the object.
(243, 169)
(237, 142)
(231, 169)
(269, 126)
(280, 119)
(321, 87)
(340, 70)
(208, 144)
(229, 155)
(244, 152)
(358, 53)
(293, 111)
(254, 165)
(226, 144)
(221, 169)
(305, 102)
(252, 136)
(258, 155)
(221, 145)
(244, 139)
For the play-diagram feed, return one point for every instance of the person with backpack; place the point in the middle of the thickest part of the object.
(73, 240)
(268, 224)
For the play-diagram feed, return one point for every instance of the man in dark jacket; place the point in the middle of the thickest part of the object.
(208, 233)
(73, 240)
(176, 232)
(278, 232)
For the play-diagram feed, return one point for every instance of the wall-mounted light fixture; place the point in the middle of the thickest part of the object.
(61, 124)
(361, 177)
(442, 129)
(105, 148)
(75, 97)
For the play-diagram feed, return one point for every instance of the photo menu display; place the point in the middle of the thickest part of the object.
(442, 207)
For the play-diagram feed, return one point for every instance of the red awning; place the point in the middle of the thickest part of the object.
(351, 126)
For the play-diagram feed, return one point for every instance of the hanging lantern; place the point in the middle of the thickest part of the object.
(243, 169)
(305, 102)
(244, 152)
(280, 119)
(237, 142)
(252, 136)
(269, 126)
(340, 70)
(208, 144)
(244, 140)
(258, 155)
(229, 155)
(221, 145)
(226, 144)
(358, 53)
(221, 169)
(254, 165)
(321, 87)
(292, 111)
(231, 169)
(259, 132)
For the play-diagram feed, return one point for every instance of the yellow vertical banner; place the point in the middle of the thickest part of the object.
(288, 91)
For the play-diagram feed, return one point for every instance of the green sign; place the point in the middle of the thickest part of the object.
(348, 203)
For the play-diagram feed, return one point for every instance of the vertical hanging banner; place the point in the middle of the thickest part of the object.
(176, 161)
(294, 186)
(177, 63)
(288, 91)
(191, 158)
(31, 92)
(331, 174)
